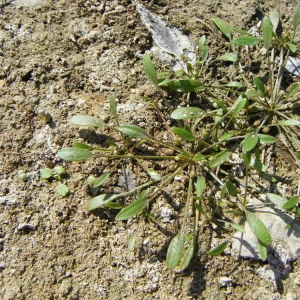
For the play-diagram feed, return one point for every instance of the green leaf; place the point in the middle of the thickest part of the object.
(134, 208)
(225, 136)
(247, 40)
(224, 27)
(153, 174)
(149, 69)
(200, 186)
(250, 142)
(263, 253)
(293, 48)
(199, 157)
(131, 242)
(133, 131)
(246, 159)
(82, 146)
(251, 93)
(175, 251)
(297, 154)
(235, 84)
(181, 85)
(83, 120)
(267, 32)
(289, 122)
(219, 249)
(266, 139)
(291, 203)
(203, 48)
(296, 19)
(293, 90)
(274, 18)
(62, 190)
(74, 154)
(236, 226)
(219, 159)
(114, 205)
(101, 201)
(46, 173)
(101, 180)
(231, 189)
(260, 85)
(113, 106)
(186, 259)
(258, 228)
(183, 133)
(229, 57)
(239, 105)
(187, 113)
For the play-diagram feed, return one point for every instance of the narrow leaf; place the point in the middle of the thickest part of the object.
(153, 174)
(219, 249)
(266, 139)
(82, 146)
(229, 57)
(293, 90)
(219, 159)
(290, 122)
(182, 85)
(187, 113)
(101, 180)
(74, 154)
(149, 69)
(231, 189)
(267, 32)
(247, 40)
(250, 142)
(258, 228)
(184, 134)
(203, 48)
(224, 27)
(296, 19)
(291, 203)
(235, 84)
(113, 106)
(101, 201)
(133, 131)
(225, 136)
(175, 251)
(83, 120)
(186, 259)
(263, 252)
(260, 85)
(239, 105)
(200, 186)
(134, 208)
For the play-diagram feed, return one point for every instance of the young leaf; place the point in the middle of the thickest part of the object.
(266, 139)
(62, 190)
(46, 173)
(263, 253)
(187, 256)
(133, 131)
(187, 113)
(175, 251)
(219, 159)
(200, 185)
(224, 27)
(267, 32)
(131, 242)
(250, 142)
(247, 40)
(219, 249)
(134, 208)
(101, 180)
(229, 57)
(74, 154)
(101, 201)
(274, 18)
(149, 69)
(82, 146)
(153, 174)
(290, 122)
(83, 120)
(291, 203)
(260, 85)
(296, 19)
(184, 134)
(258, 228)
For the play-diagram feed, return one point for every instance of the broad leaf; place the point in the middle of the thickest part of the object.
(296, 19)
(186, 259)
(203, 48)
(289, 122)
(274, 18)
(263, 253)
(291, 203)
(224, 27)
(82, 146)
(200, 186)
(219, 249)
(74, 154)
(153, 174)
(258, 228)
(250, 142)
(187, 113)
(101, 180)
(239, 105)
(293, 90)
(175, 251)
(113, 106)
(225, 136)
(181, 85)
(247, 40)
(267, 32)
(133, 131)
(62, 190)
(219, 159)
(235, 84)
(266, 139)
(185, 134)
(83, 120)
(229, 57)
(101, 201)
(231, 189)
(260, 85)
(134, 208)
(149, 69)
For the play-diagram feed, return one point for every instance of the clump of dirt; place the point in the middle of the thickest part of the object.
(61, 58)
